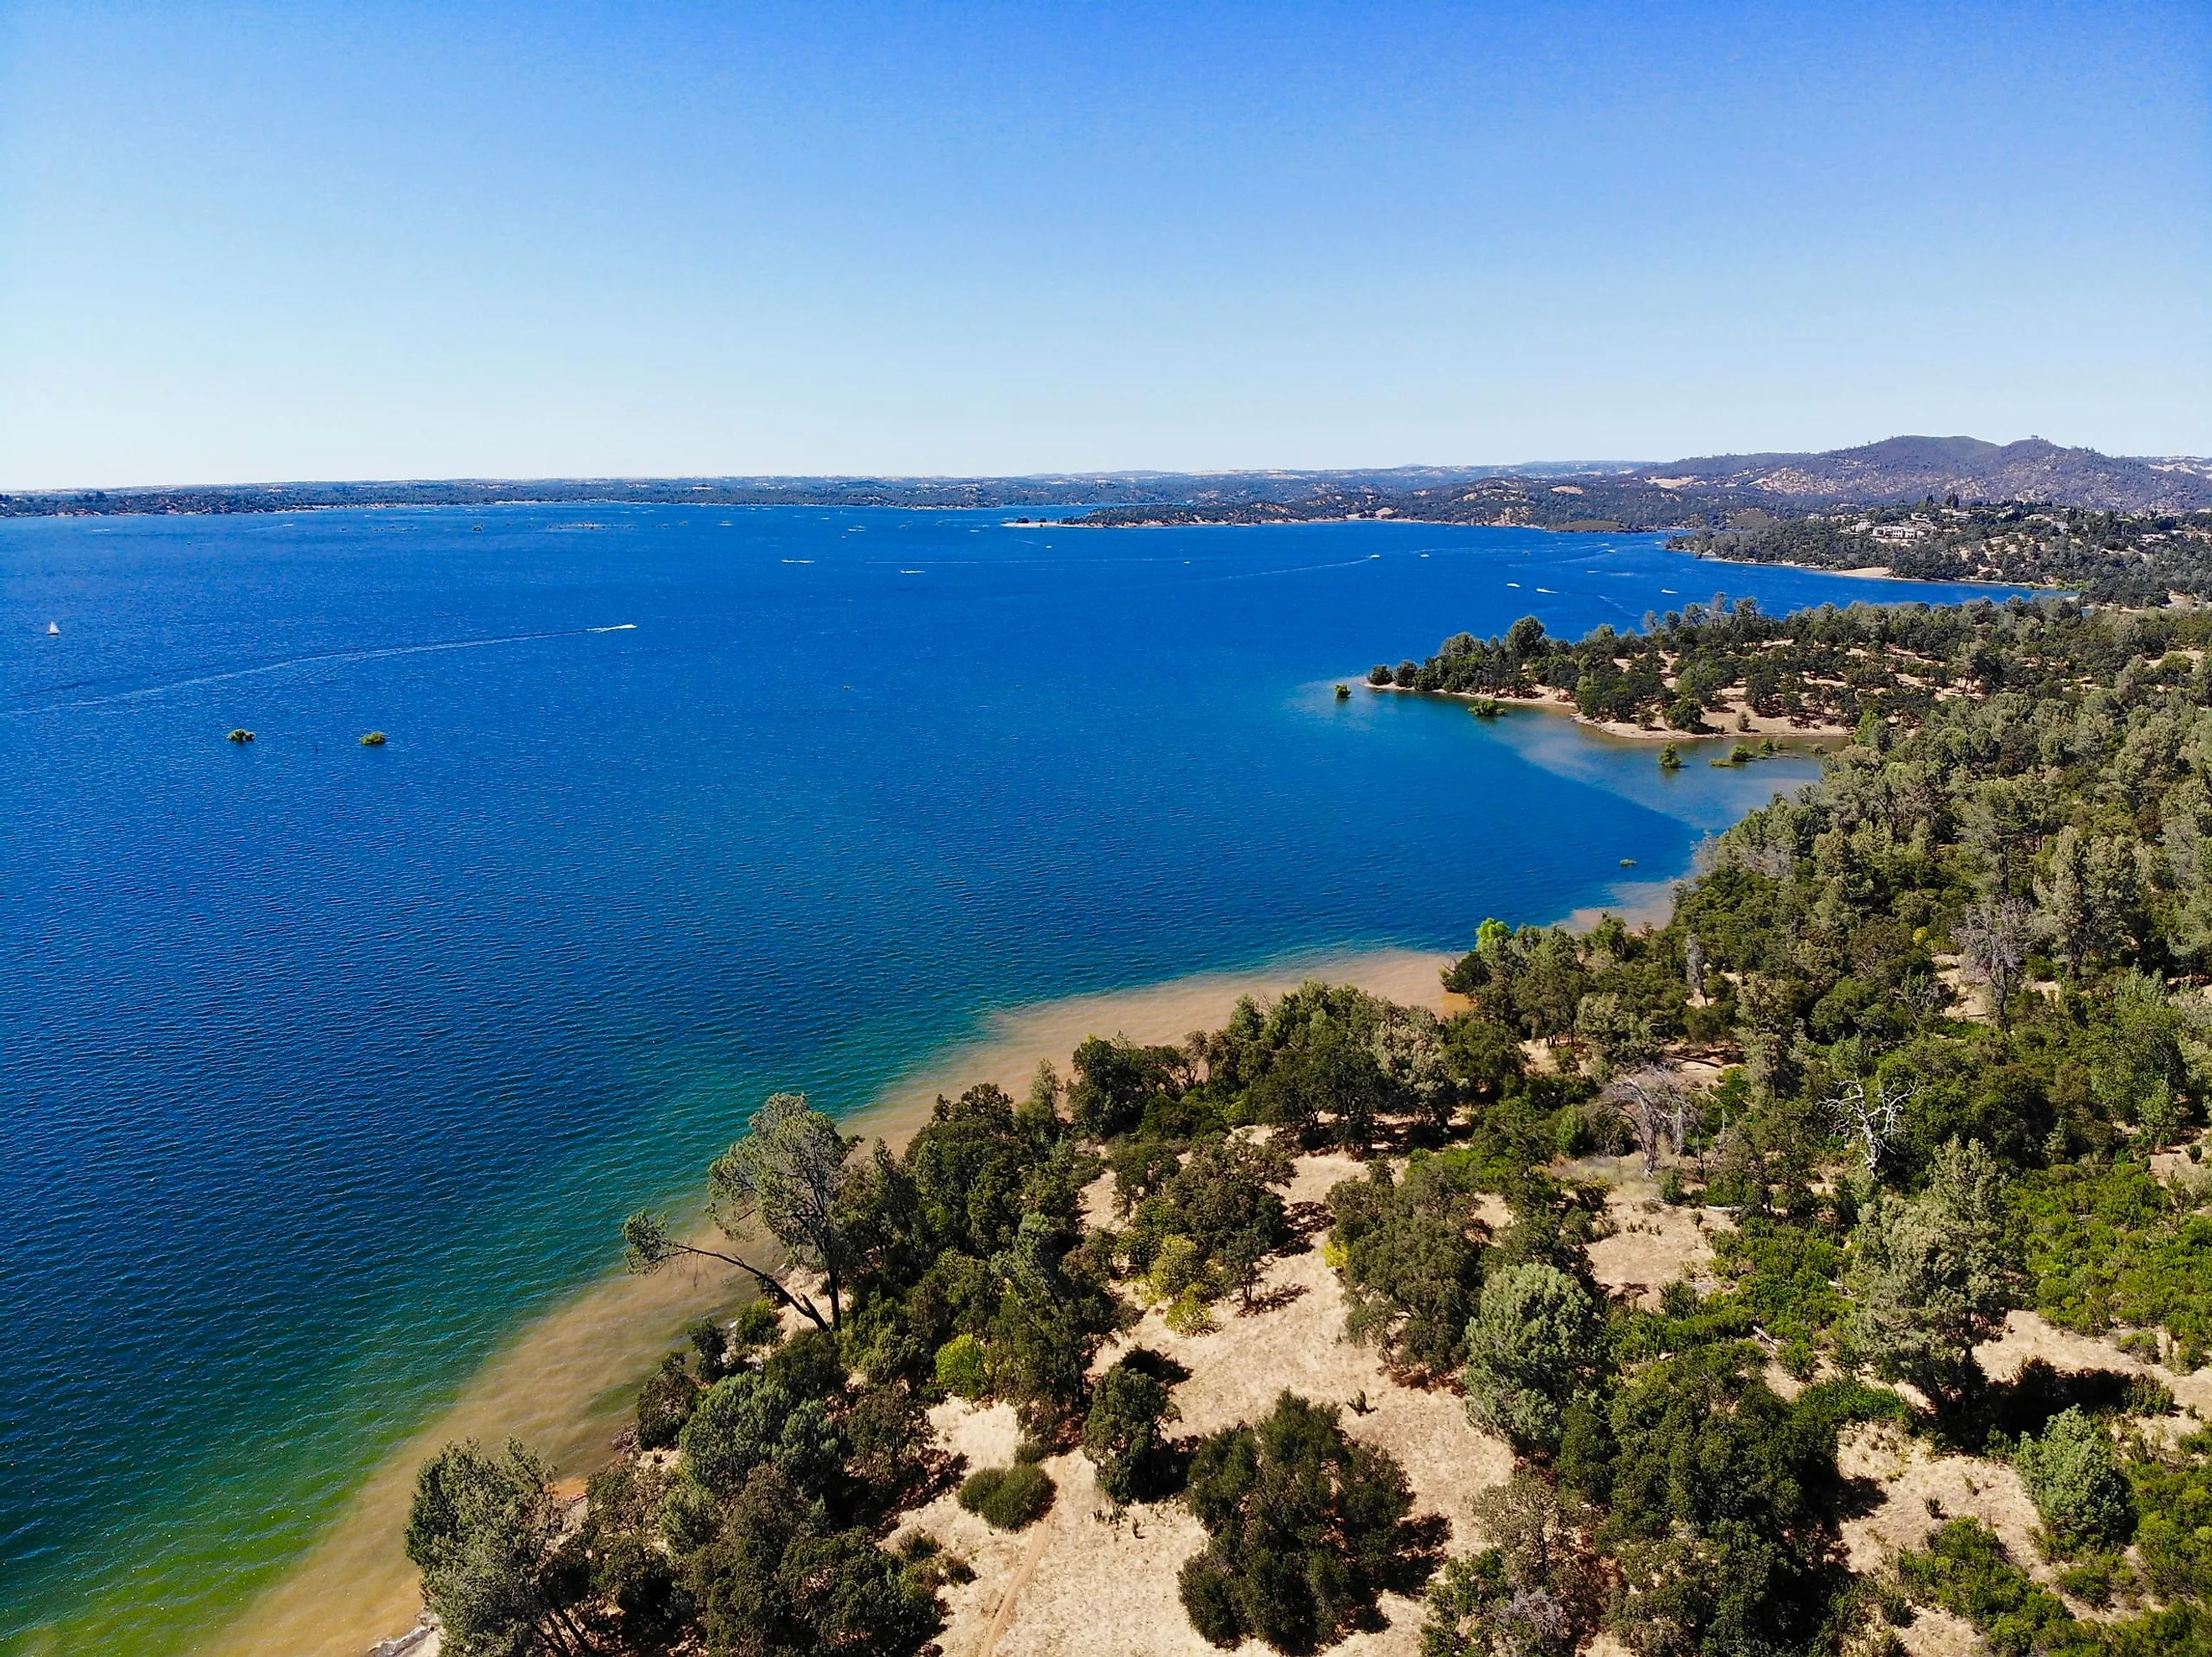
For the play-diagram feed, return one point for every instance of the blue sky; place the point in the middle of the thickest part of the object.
(367, 241)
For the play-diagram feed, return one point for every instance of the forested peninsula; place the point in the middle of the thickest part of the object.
(1827, 1268)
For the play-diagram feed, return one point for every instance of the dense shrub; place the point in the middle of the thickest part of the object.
(1008, 1498)
(1122, 1435)
(1533, 1338)
(2073, 1474)
(1303, 1528)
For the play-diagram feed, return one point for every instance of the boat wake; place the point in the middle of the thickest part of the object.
(45, 702)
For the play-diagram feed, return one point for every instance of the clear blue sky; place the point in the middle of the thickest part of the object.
(294, 240)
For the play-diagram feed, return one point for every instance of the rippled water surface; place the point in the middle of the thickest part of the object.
(322, 1066)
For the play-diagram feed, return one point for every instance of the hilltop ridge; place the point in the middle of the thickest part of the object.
(1700, 492)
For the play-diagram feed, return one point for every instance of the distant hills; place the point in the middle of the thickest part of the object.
(1708, 492)
(1900, 469)
(1715, 492)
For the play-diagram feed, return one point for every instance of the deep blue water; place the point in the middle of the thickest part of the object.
(322, 1066)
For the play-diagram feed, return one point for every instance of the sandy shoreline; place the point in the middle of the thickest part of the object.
(562, 1383)
(1558, 702)
(1859, 573)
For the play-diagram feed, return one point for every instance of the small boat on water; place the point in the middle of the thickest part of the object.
(53, 629)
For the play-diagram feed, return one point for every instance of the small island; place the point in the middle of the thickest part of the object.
(239, 735)
(374, 739)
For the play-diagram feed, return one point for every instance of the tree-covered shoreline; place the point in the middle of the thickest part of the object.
(2107, 557)
(1930, 1041)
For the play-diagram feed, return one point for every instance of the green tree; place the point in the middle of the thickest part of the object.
(1533, 1338)
(1485, 1055)
(2074, 1476)
(1303, 1528)
(1534, 1591)
(747, 1421)
(1718, 1526)
(486, 1534)
(786, 1173)
(664, 1403)
(1219, 1202)
(1122, 1434)
(1047, 1323)
(1118, 1082)
(621, 1537)
(1932, 1275)
(773, 1581)
(1410, 1265)
(1332, 1075)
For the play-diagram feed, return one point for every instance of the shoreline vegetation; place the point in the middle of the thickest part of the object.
(354, 1587)
(1810, 736)
(1825, 1268)
(1720, 668)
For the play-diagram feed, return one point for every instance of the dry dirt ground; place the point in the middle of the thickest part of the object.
(1910, 1477)
(1075, 1584)
(1653, 1243)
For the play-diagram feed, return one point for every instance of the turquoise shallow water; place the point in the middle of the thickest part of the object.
(324, 1067)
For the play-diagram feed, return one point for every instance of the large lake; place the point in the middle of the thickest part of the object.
(324, 1067)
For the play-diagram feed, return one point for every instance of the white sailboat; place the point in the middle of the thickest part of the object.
(53, 629)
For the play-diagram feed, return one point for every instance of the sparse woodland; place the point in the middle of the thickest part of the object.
(2109, 557)
(1926, 1046)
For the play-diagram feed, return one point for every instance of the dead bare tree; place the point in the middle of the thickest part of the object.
(1993, 939)
(1656, 1107)
(1871, 1113)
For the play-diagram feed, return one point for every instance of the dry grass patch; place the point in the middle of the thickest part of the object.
(1077, 1584)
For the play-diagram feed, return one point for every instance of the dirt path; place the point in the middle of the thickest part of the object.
(1023, 1572)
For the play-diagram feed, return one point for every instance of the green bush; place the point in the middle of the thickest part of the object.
(1535, 1334)
(2173, 1495)
(664, 1403)
(1303, 1526)
(963, 1367)
(1122, 1435)
(2112, 1246)
(756, 1326)
(2074, 1475)
(1965, 1570)
(1008, 1498)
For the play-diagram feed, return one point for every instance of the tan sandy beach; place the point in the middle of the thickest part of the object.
(562, 1384)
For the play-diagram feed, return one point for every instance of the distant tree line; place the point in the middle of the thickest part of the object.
(2107, 557)
(1692, 670)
